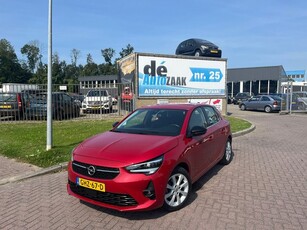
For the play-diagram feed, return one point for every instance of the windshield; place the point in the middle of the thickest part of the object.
(162, 122)
(97, 93)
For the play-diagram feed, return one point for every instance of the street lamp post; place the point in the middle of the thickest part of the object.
(49, 80)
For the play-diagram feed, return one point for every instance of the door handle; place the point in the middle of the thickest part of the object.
(210, 138)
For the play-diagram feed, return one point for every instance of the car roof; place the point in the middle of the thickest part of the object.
(199, 40)
(202, 41)
(184, 106)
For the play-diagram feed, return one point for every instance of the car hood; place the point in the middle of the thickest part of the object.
(125, 148)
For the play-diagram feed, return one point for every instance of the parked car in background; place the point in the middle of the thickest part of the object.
(97, 100)
(114, 100)
(77, 97)
(301, 99)
(151, 158)
(63, 106)
(198, 47)
(229, 99)
(13, 104)
(267, 103)
(241, 97)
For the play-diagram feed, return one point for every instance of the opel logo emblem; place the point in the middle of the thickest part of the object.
(91, 170)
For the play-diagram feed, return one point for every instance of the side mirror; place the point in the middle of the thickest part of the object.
(197, 131)
(115, 124)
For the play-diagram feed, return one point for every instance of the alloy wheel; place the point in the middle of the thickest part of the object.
(177, 190)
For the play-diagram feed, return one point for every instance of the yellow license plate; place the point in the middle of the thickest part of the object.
(214, 51)
(91, 184)
(5, 106)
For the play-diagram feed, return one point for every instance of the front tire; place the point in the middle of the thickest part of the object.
(243, 107)
(197, 53)
(228, 153)
(177, 190)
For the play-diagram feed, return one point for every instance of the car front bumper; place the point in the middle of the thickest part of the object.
(123, 193)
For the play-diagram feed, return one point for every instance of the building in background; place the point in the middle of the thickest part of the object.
(256, 80)
(297, 75)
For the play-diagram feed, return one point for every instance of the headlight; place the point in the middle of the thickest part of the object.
(72, 154)
(147, 168)
(204, 47)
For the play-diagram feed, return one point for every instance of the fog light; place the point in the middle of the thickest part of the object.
(149, 192)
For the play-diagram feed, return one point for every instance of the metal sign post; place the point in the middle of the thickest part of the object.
(49, 79)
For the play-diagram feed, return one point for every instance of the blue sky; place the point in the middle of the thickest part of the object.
(250, 33)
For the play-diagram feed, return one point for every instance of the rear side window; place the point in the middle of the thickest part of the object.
(212, 116)
(8, 97)
(265, 99)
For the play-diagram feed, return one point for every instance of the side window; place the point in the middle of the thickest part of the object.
(212, 116)
(197, 119)
(265, 99)
(190, 43)
(66, 98)
(183, 44)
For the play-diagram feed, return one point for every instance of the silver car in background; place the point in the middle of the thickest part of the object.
(266, 103)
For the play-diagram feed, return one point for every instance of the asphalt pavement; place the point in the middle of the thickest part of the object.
(265, 187)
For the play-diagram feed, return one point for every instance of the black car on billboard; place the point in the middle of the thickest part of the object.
(198, 47)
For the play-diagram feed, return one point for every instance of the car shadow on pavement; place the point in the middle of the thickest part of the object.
(154, 214)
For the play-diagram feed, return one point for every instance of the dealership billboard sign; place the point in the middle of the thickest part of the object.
(180, 77)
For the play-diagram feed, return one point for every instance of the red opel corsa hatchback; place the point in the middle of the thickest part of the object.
(151, 158)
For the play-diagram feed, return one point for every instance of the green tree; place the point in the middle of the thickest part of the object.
(91, 68)
(126, 51)
(108, 54)
(40, 76)
(32, 52)
(10, 68)
(58, 70)
(75, 54)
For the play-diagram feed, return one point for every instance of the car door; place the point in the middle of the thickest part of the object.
(68, 103)
(190, 47)
(198, 148)
(253, 103)
(217, 133)
(263, 101)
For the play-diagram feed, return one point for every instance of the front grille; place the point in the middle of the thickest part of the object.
(100, 172)
(104, 197)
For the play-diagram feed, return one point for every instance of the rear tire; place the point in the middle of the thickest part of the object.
(228, 153)
(267, 109)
